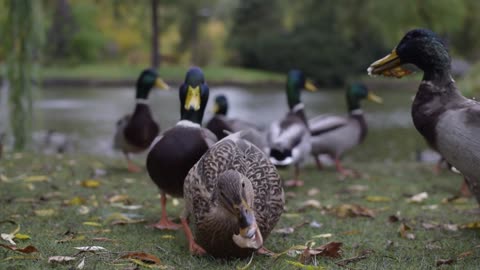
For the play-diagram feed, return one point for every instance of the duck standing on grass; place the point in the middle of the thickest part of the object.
(135, 132)
(180, 147)
(234, 196)
(334, 135)
(449, 122)
(221, 124)
(289, 138)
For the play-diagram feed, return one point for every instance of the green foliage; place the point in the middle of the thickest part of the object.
(23, 38)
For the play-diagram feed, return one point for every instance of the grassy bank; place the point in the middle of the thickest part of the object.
(167, 72)
(51, 201)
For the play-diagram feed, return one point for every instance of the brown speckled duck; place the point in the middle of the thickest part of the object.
(447, 120)
(135, 132)
(234, 197)
(180, 147)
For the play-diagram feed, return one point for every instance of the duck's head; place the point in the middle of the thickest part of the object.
(221, 105)
(147, 80)
(193, 96)
(420, 47)
(296, 81)
(235, 195)
(357, 92)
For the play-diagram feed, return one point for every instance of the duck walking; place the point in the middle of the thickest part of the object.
(289, 138)
(180, 147)
(334, 135)
(135, 132)
(448, 121)
(234, 197)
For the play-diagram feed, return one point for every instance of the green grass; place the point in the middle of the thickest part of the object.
(20, 199)
(167, 72)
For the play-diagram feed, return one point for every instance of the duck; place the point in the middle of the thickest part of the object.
(180, 147)
(221, 125)
(233, 198)
(289, 138)
(449, 122)
(135, 132)
(334, 135)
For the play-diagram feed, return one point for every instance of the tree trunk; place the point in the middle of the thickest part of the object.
(155, 35)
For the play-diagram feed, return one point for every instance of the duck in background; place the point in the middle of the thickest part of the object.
(334, 135)
(179, 148)
(135, 132)
(221, 125)
(234, 196)
(289, 138)
(448, 121)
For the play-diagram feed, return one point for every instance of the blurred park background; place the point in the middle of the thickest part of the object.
(62, 44)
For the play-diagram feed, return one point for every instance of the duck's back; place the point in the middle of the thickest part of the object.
(170, 159)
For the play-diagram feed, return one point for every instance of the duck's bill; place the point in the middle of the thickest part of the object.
(389, 66)
(374, 98)
(255, 241)
(215, 108)
(161, 84)
(310, 86)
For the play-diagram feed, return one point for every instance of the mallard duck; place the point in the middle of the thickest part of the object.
(180, 147)
(289, 138)
(234, 196)
(221, 123)
(135, 132)
(448, 121)
(333, 135)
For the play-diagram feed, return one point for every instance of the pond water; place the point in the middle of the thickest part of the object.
(90, 114)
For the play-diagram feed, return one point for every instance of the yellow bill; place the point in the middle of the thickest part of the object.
(216, 108)
(193, 98)
(389, 66)
(310, 86)
(374, 98)
(161, 84)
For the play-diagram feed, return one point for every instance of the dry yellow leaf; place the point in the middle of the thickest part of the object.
(377, 199)
(90, 183)
(22, 236)
(45, 212)
(92, 223)
(77, 201)
(36, 178)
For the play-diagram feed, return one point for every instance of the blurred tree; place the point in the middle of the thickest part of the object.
(155, 58)
(23, 38)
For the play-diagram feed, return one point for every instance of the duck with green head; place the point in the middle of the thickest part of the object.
(334, 135)
(135, 132)
(448, 121)
(180, 147)
(289, 138)
(221, 125)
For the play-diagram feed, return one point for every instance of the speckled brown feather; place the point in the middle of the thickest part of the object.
(231, 153)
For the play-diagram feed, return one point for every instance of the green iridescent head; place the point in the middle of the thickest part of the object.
(296, 81)
(193, 95)
(147, 80)
(357, 92)
(221, 105)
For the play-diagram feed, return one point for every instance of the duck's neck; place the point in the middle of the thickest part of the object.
(439, 77)
(293, 97)
(192, 115)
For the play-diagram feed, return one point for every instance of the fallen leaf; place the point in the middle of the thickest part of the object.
(450, 227)
(418, 198)
(61, 259)
(286, 230)
(36, 178)
(144, 257)
(307, 267)
(323, 235)
(4, 178)
(118, 198)
(45, 212)
(21, 236)
(429, 226)
(357, 188)
(83, 210)
(310, 204)
(247, 265)
(27, 249)
(331, 249)
(290, 194)
(315, 224)
(353, 210)
(167, 236)
(352, 232)
(313, 191)
(444, 262)
(10, 236)
(465, 254)
(127, 207)
(121, 219)
(291, 215)
(90, 248)
(404, 231)
(76, 201)
(430, 207)
(393, 219)
(92, 223)
(432, 246)
(363, 255)
(103, 239)
(377, 199)
(81, 264)
(90, 183)
(472, 225)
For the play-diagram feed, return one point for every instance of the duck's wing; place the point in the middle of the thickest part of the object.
(269, 198)
(287, 133)
(119, 141)
(238, 124)
(209, 137)
(325, 123)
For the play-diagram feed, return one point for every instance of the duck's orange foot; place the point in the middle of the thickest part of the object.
(133, 168)
(265, 251)
(196, 249)
(165, 224)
